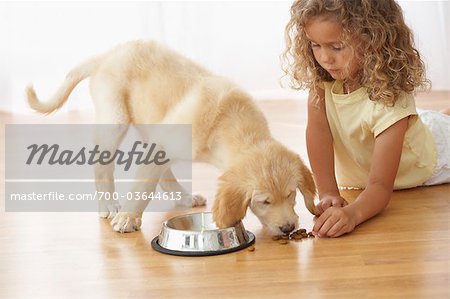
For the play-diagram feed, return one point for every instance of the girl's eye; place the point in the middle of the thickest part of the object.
(266, 202)
(337, 47)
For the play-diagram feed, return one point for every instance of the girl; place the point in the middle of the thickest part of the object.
(359, 62)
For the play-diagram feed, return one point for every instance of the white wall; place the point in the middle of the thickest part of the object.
(430, 23)
(41, 41)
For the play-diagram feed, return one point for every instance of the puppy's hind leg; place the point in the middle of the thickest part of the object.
(170, 184)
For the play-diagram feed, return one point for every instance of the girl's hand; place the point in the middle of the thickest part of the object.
(329, 201)
(334, 222)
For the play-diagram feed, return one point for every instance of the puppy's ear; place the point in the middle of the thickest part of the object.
(307, 187)
(230, 204)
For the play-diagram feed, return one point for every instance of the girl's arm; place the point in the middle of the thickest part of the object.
(385, 162)
(384, 165)
(319, 143)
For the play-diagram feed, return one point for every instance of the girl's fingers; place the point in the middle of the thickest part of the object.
(319, 222)
(341, 232)
(336, 230)
(322, 206)
(323, 231)
(323, 224)
(339, 202)
(325, 204)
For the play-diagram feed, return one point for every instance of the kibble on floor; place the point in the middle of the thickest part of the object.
(296, 235)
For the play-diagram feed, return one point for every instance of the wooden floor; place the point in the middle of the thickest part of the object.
(402, 253)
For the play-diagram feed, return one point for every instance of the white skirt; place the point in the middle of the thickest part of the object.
(439, 125)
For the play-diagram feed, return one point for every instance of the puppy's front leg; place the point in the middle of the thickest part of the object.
(104, 173)
(130, 215)
(130, 221)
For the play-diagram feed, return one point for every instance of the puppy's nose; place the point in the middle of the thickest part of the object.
(287, 228)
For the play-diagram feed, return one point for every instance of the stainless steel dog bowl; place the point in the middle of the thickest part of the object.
(197, 235)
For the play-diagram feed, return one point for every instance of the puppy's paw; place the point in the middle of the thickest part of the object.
(198, 200)
(108, 209)
(126, 222)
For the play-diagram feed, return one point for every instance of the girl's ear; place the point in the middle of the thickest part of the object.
(307, 187)
(230, 204)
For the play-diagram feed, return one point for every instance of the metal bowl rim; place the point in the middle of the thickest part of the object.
(157, 247)
(166, 227)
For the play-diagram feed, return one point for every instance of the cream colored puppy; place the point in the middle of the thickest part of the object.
(144, 83)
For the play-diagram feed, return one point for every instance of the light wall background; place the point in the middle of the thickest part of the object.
(41, 41)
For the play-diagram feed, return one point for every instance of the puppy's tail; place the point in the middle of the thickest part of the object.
(74, 77)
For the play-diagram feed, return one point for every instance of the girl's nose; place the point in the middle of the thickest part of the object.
(326, 57)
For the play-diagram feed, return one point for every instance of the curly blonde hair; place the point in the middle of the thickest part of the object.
(390, 63)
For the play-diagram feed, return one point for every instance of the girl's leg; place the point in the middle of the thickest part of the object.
(439, 125)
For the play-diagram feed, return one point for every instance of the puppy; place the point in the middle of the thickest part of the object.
(142, 82)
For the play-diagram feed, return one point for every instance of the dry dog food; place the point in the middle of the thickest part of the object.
(296, 235)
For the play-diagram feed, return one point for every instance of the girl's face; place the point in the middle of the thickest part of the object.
(330, 51)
